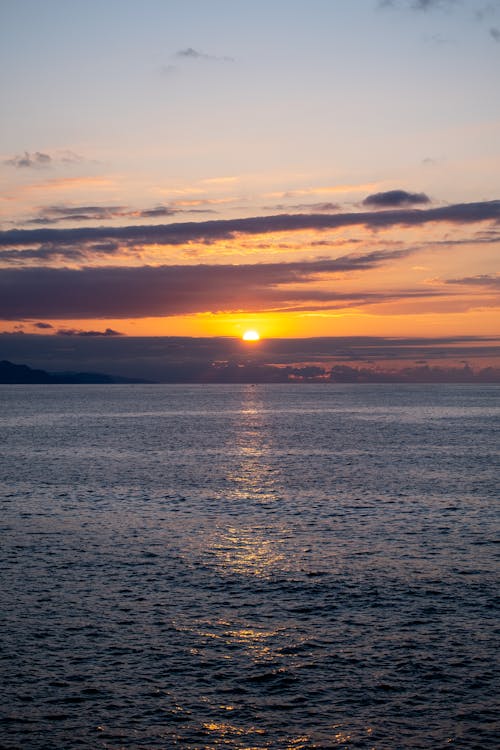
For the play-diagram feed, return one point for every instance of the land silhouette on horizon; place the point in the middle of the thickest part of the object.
(234, 372)
(16, 374)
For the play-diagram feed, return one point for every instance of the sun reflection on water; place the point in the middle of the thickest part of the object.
(223, 734)
(261, 644)
(254, 479)
(253, 476)
(249, 541)
(247, 552)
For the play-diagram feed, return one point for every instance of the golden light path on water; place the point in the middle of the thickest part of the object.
(252, 551)
(255, 551)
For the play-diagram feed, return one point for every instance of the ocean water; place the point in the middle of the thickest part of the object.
(260, 567)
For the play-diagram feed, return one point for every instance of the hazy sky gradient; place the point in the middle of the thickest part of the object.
(241, 118)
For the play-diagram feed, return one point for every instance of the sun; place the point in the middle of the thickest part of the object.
(251, 336)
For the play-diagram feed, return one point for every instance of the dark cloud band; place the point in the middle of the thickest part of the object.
(207, 231)
(124, 292)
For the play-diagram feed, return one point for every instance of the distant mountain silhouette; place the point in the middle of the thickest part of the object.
(11, 373)
(248, 372)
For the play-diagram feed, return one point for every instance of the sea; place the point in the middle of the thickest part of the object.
(258, 567)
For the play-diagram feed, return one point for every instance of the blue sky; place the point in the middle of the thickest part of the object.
(279, 92)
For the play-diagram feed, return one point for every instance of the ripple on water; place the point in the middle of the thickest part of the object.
(262, 568)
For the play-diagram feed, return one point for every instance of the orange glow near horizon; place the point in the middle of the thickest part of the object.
(347, 322)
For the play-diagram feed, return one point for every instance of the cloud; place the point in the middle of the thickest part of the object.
(43, 326)
(395, 199)
(169, 211)
(48, 252)
(159, 211)
(55, 214)
(29, 160)
(482, 13)
(491, 281)
(486, 10)
(429, 4)
(311, 207)
(193, 54)
(419, 5)
(213, 230)
(190, 52)
(147, 291)
(58, 214)
(39, 159)
(79, 332)
(479, 238)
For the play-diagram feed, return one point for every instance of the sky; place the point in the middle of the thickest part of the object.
(302, 168)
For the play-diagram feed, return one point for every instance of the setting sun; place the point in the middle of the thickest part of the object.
(251, 336)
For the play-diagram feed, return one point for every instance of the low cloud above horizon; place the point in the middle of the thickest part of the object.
(227, 359)
(124, 292)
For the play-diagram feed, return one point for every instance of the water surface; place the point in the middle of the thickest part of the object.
(269, 567)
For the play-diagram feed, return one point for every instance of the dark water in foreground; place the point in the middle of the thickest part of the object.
(248, 567)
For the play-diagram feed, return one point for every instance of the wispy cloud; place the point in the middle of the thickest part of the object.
(310, 207)
(419, 5)
(57, 214)
(491, 281)
(487, 13)
(40, 159)
(487, 10)
(29, 160)
(483, 13)
(430, 4)
(190, 53)
(213, 230)
(66, 253)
